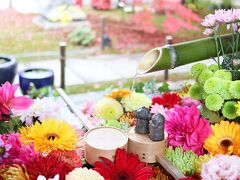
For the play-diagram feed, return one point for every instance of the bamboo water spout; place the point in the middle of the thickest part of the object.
(171, 56)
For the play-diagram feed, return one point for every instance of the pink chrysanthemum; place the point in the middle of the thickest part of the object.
(187, 101)
(186, 128)
(221, 167)
(8, 101)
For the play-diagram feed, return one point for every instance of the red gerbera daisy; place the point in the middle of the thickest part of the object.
(125, 167)
(70, 157)
(48, 166)
(168, 100)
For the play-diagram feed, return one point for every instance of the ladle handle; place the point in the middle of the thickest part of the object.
(83, 119)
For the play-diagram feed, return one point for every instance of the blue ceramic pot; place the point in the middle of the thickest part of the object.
(8, 68)
(38, 76)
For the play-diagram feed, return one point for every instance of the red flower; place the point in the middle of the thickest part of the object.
(48, 166)
(8, 101)
(70, 157)
(125, 166)
(168, 100)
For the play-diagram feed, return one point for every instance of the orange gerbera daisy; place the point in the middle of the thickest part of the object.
(224, 139)
(119, 94)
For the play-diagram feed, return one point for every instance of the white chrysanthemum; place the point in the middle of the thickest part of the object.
(47, 107)
(83, 174)
(135, 101)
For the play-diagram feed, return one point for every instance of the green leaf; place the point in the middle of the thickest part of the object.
(139, 87)
(164, 87)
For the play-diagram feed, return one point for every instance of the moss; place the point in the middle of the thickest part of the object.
(223, 74)
(234, 89)
(214, 102)
(212, 85)
(204, 75)
(197, 69)
(195, 91)
(229, 110)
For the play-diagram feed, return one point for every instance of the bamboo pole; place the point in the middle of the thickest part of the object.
(171, 56)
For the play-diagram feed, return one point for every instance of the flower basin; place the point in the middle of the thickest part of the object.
(38, 76)
(8, 68)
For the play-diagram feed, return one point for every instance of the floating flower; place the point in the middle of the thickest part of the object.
(229, 110)
(196, 91)
(48, 167)
(184, 161)
(224, 139)
(47, 107)
(168, 100)
(50, 135)
(187, 101)
(221, 167)
(234, 89)
(70, 157)
(119, 94)
(212, 85)
(14, 172)
(83, 173)
(4, 150)
(223, 74)
(214, 102)
(238, 108)
(135, 101)
(200, 160)
(125, 166)
(197, 69)
(8, 101)
(158, 109)
(186, 128)
(108, 109)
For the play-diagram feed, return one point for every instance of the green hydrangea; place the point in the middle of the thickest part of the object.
(108, 109)
(184, 161)
(212, 85)
(204, 75)
(135, 101)
(213, 67)
(234, 89)
(196, 91)
(229, 110)
(224, 91)
(223, 74)
(214, 102)
(197, 69)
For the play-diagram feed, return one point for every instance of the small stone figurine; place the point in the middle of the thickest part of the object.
(142, 116)
(156, 127)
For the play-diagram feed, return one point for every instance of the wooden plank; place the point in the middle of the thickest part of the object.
(170, 167)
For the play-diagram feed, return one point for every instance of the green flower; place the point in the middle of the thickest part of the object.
(112, 123)
(213, 67)
(196, 91)
(184, 161)
(204, 75)
(224, 91)
(212, 116)
(212, 85)
(108, 109)
(214, 102)
(204, 95)
(229, 110)
(223, 74)
(197, 69)
(235, 89)
(135, 101)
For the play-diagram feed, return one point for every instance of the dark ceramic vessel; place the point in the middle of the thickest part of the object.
(8, 69)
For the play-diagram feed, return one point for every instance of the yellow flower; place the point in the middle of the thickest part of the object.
(14, 172)
(119, 94)
(127, 117)
(202, 159)
(225, 139)
(83, 173)
(52, 134)
(238, 108)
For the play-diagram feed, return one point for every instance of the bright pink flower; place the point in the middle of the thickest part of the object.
(156, 109)
(187, 101)
(186, 128)
(209, 21)
(18, 153)
(221, 167)
(88, 108)
(8, 101)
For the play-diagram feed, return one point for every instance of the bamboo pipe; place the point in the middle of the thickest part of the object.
(171, 56)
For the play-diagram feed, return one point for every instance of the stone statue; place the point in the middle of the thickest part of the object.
(156, 127)
(142, 116)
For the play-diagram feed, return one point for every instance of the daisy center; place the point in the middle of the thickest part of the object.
(226, 142)
(122, 176)
(52, 136)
